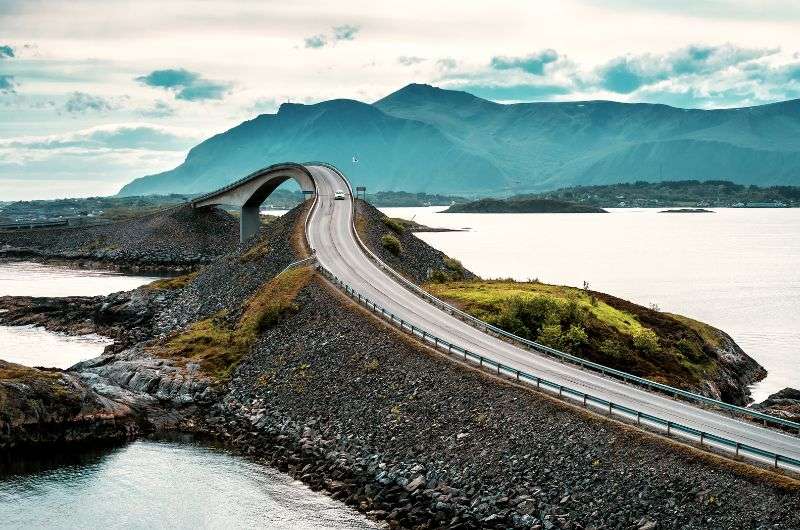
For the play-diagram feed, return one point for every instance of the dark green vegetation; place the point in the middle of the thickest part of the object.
(678, 193)
(392, 244)
(424, 139)
(522, 205)
(404, 198)
(90, 208)
(667, 348)
(218, 343)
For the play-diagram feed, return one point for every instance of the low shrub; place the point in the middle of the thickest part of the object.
(219, 343)
(395, 225)
(646, 341)
(392, 244)
(167, 284)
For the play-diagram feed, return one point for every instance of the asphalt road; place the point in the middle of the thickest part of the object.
(337, 250)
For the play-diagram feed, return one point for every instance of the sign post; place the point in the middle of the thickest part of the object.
(363, 191)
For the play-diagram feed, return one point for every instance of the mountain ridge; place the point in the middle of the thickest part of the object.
(422, 138)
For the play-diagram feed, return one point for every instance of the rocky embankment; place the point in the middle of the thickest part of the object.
(348, 405)
(51, 406)
(178, 238)
(417, 260)
(783, 404)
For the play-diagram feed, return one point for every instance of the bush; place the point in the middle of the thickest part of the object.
(576, 336)
(612, 349)
(394, 225)
(646, 341)
(392, 244)
(550, 336)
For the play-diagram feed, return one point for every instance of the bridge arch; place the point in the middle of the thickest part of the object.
(249, 192)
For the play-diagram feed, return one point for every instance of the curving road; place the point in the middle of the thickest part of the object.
(337, 250)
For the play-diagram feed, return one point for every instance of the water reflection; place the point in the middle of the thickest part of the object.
(157, 484)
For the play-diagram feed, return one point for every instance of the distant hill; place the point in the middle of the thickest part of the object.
(426, 139)
(523, 205)
(718, 193)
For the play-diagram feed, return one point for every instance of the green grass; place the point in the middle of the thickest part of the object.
(483, 298)
(168, 284)
(218, 345)
(395, 225)
(668, 348)
(392, 244)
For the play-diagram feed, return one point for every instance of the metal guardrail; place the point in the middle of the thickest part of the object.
(705, 439)
(299, 263)
(670, 427)
(541, 348)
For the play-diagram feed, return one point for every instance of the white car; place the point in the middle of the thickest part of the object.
(338, 195)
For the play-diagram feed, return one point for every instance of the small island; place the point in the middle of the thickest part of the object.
(687, 210)
(526, 205)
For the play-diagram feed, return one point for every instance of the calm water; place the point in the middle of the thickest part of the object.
(34, 279)
(736, 269)
(33, 346)
(145, 484)
(150, 484)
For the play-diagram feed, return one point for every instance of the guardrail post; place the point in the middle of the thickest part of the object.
(560, 390)
(737, 448)
(517, 375)
(638, 417)
(480, 360)
(701, 438)
(498, 368)
(669, 424)
(584, 399)
(609, 408)
(776, 460)
(538, 381)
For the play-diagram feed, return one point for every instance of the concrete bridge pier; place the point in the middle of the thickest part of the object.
(248, 193)
(249, 222)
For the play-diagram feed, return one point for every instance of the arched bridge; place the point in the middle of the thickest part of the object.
(251, 191)
(330, 230)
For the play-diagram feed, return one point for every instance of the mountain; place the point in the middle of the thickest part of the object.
(426, 139)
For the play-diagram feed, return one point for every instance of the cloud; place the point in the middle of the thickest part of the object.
(628, 74)
(407, 60)
(520, 92)
(6, 51)
(79, 102)
(345, 32)
(338, 33)
(160, 109)
(263, 106)
(316, 41)
(89, 161)
(7, 84)
(446, 64)
(533, 64)
(118, 136)
(186, 85)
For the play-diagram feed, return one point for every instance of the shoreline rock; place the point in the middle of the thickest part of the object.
(783, 404)
(347, 405)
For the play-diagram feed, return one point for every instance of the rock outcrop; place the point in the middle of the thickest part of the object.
(347, 404)
(177, 238)
(783, 404)
(43, 407)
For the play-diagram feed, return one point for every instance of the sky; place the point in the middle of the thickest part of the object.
(94, 93)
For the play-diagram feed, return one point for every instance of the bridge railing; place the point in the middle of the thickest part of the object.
(546, 350)
(566, 357)
(705, 439)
